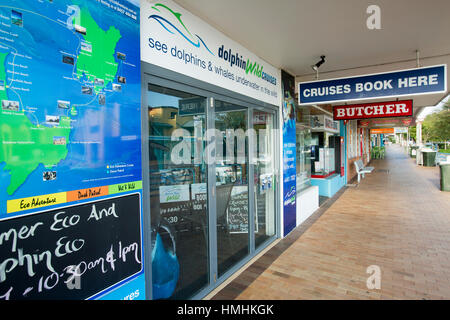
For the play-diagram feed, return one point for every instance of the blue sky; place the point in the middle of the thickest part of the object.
(156, 99)
(429, 110)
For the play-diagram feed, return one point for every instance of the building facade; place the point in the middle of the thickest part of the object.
(166, 155)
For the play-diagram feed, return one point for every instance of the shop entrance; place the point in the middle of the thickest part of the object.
(212, 185)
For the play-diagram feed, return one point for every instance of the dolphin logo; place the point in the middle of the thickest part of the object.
(196, 41)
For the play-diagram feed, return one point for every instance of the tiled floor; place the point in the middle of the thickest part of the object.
(397, 219)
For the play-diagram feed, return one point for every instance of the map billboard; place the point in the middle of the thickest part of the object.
(70, 137)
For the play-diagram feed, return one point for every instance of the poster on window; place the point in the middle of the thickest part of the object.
(289, 155)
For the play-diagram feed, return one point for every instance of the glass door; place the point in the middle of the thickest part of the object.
(263, 159)
(178, 193)
(211, 186)
(232, 185)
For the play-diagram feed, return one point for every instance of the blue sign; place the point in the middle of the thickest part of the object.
(289, 156)
(289, 178)
(70, 124)
(418, 81)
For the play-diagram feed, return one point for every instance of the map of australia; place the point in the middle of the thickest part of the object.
(37, 133)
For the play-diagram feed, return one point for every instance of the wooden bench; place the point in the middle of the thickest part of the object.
(361, 170)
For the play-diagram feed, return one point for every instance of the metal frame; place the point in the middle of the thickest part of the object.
(251, 183)
(146, 191)
(166, 78)
(212, 209)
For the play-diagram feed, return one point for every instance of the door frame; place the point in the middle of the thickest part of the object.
(165, 78)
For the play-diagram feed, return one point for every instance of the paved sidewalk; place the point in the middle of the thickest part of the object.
(397, 219)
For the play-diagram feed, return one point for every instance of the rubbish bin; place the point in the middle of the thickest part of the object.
(444, 169)
(429, 158)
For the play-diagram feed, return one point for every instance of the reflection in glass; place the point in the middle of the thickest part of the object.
(231, 185)
(305, 152)
(178, 201)
(264, 171)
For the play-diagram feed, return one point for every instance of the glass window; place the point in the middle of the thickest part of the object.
(264, 176)
(352, 139)
(178, 186)
(178, 171)
(303, 146)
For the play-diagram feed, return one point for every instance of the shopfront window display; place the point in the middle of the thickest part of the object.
(303, 144)
(323, 146)
(352, 138)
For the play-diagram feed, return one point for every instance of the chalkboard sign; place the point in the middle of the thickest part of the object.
(73, 252)
(237, 211)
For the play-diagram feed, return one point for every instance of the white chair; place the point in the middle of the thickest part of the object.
(361, 170)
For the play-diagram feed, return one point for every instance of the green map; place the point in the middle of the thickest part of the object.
(98, 63)
(25, 145)
(70, 137)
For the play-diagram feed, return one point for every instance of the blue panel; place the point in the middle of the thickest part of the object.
(343, 133)
(70, 95)
(133, 290)
(328, 187)
(289, 156)
(390, 84)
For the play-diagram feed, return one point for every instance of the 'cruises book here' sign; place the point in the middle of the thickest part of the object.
(418, 81)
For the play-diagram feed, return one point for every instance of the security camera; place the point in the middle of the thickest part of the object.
(318, 64)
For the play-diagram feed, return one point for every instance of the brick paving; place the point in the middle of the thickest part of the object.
(396, 218)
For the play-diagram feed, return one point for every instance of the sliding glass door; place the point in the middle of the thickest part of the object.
(211, 188)
(232, 200)
(178, 184)
(263, 158)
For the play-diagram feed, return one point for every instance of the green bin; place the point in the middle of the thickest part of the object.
(429, 158)
(445, 176)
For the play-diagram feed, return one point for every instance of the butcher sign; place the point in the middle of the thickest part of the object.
(402, 108)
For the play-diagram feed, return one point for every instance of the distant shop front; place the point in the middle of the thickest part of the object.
(327, 155)
(359, 122)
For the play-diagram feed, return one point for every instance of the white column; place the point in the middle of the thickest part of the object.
(419, 143)
(419, 133)
(407, 140)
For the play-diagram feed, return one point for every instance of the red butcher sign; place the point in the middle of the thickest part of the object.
(403, 108)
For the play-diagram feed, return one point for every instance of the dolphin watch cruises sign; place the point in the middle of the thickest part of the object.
(173, 38)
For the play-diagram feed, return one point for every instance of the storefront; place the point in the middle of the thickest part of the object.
(358, 145)
(145, 155)
(307, 194)
(156, 152)
(211, 123)
(327, 153)
(354, 118)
